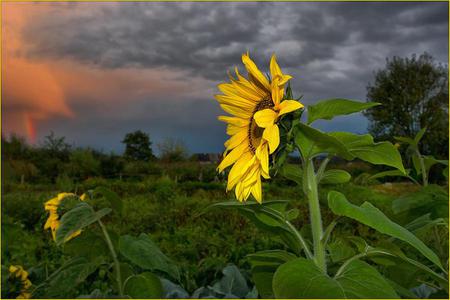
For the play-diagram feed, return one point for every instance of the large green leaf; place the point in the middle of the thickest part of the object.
(112, 197)
(292, 172)
(364, 148)
(143, 286)
(264, 264)
(328, 109)
(72, 273)
(429, 199)
(301, 278)
(312, 141)
(334, 176)
(144, 253)
(90, 244)
(77, 218)
(391, 173)
(269, 216)
(373, 217)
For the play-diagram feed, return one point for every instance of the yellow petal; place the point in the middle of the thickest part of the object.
(232, 130)
(288, 105)
(284, 79)
(239, 122)
(275, 70)
(277, 92)
(251, 88)
(236, 101)
(239, 169)
(236, 111)
(13, 269)
(236, 139)
(236, 90)
(61, 196)
(272, 136)
(83, 197)
(234, 155)
(257, 190)
(255, 72)
(52, 202)
(265, 117)
(262, 153)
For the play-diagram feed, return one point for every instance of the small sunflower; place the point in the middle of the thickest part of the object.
(53, 220)
(255, 104)
(20, 277)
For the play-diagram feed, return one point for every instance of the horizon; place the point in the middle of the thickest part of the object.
(93, 75)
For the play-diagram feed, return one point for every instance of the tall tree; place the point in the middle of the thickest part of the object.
(138, 146)
(414, 94)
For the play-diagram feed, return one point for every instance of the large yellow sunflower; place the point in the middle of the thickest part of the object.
(255, 105)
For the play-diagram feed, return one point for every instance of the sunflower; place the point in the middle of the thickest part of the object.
(255, 105)
(53, 220)
(17, 272)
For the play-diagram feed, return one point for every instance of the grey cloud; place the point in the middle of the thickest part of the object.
(331, 49)
(206, 38)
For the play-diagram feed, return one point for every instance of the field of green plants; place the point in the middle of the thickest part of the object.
(209, 248)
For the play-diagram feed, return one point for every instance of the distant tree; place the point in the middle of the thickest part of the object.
(14, 148)
(172, 150)
(414, 94)
(56, 146)
(83, 164)
(138, 146)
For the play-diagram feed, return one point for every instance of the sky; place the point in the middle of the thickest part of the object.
(93, 72)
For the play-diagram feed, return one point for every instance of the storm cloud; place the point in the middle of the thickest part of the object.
(331, 49)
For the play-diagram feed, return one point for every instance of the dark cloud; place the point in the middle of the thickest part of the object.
(206, 38)
(331, 49)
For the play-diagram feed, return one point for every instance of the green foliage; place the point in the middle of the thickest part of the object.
(414, 94)
(270, 216)
(172, 150)
(301, 278)
(373, 217)
(264, 264)
(142, 252)
(74, 272)
(334, 176)
(82, 164)
(138, 146)
(81, 216)
(330, 108)
(431, 199)
(364, 148)
(145, 285)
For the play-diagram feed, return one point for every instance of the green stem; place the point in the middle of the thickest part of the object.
(301, 240)
(358, 256)
(321, 169)
(310, 189)
(114, 256)
(422, 167)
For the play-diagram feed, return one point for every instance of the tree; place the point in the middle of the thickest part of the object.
(172, 150)
(414, 94)
(138, 146)
(83, 164)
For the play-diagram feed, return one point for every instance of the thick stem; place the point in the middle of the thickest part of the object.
(310, 189)
(114, 256)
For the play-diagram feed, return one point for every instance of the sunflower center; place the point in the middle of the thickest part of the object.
(254, 131)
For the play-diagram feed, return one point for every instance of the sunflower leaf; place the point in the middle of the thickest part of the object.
(328, 109)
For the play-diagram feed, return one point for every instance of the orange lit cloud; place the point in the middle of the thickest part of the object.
(30, 91)
(36, 90)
